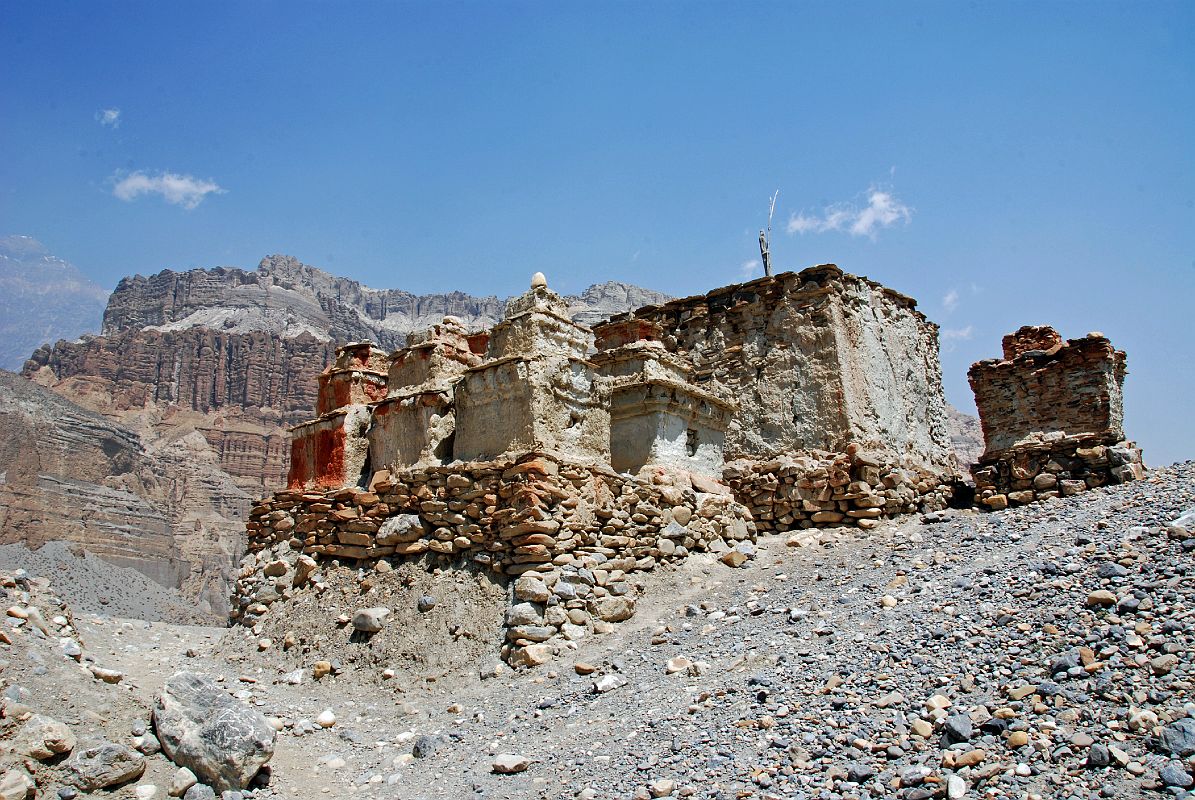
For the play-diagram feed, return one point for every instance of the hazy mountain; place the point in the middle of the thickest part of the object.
(42, 299)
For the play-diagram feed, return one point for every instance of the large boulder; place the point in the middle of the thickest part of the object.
(203, 728)
(106, 764)
(43, 738)
(1178, 738)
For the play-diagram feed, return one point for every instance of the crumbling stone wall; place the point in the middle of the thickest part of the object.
(1045, 385)
(570, 536)
(824, 385)
(813, 490)
(816, 361)
(1052, 415)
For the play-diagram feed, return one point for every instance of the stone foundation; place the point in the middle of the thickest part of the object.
(571, 536)
(1061, 467)
(823, 489)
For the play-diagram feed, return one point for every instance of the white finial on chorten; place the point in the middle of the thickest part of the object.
(538, 280)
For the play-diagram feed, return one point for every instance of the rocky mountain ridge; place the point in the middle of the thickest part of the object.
(287, 298)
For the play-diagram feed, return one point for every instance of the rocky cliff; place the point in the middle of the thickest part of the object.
(42, 299)
(69, 474)
(287, 298)
(966, 436)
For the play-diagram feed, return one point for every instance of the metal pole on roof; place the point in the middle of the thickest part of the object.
(765, 238)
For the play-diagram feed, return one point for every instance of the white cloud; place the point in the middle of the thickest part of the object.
(747, 268)
(950, 301)
(883, 210)
(180, 190)
(108, 117)
(952, 335)
(958, 333)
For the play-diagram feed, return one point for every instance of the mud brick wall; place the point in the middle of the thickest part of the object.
(816, 360)
(1071, 388)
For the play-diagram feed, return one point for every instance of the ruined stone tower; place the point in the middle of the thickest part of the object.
(1053, 418)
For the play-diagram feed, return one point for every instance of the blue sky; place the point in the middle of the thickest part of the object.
(1004, 163)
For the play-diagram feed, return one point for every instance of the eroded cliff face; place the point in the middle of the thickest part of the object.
(241, 391)
(69, 474)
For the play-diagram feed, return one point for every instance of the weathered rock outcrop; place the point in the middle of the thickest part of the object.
(42, 299)
(69, 474)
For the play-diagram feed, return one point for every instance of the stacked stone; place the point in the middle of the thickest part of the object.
(1059, 467)
(824, 489)
(1052, 413)
(572, 534)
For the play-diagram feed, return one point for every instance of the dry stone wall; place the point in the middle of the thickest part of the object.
(815, 490)
(1052, 415)
(569, 537)
(1060, 467)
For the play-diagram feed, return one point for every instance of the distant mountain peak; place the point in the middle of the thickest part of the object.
(42, 299)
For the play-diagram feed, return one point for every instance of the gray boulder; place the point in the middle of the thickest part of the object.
(205, 729)
(1178, 738)
(402, 528)
(106, 764)
(200, 791)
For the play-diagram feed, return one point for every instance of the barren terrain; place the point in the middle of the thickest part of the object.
(1043, 650)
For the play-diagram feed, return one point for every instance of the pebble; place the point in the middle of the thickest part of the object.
(509, 763)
